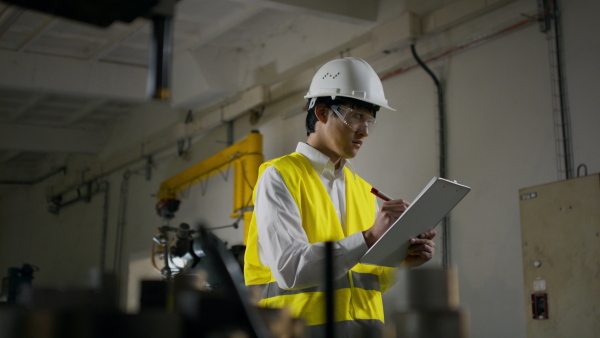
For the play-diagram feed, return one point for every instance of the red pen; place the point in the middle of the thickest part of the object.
(380, 194)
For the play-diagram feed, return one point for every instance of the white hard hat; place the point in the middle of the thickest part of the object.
(348, 77)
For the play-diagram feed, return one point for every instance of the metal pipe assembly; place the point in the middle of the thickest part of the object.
(443, 150)
(562, 96)
(441, 112)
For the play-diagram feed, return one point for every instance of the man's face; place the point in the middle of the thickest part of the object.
(342, 140)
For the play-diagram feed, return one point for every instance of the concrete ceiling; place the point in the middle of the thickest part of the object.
(64, 83)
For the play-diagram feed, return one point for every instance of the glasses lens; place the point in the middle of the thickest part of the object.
(356, 119)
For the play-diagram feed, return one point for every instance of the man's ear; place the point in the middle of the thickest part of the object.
(322, 112)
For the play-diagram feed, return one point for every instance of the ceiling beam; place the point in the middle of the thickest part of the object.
(355, 11)
(8, 16)
(457, 13)
(15, 137)
(107, 48)
(38, 32)
(83, 111)
(8, 155)
(224, 25)
(44, 73)
(35, 99)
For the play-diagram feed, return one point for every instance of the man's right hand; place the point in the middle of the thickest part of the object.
(388, 214)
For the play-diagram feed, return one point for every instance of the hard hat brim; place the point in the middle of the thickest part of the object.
(308, 96)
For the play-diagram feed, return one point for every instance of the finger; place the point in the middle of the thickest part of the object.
(417, 249)
(426, 255)
(429, 234)
(422, 255)
(397, 202)
(422, 241)
(394, 211)
(394, 206)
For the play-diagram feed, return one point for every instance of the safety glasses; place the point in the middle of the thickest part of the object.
(359, 120)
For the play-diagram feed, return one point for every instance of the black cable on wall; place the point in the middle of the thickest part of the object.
(443, 150)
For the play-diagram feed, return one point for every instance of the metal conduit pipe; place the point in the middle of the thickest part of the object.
(562, 97)
(103, 241)
(468, 45)
(120, 235)
(441, 112)
(442, 149)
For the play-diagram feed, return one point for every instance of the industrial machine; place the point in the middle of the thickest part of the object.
(179, 247)
(180, 307)
(16, 281)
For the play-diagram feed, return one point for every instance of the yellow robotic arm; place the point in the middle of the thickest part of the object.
(245, 156)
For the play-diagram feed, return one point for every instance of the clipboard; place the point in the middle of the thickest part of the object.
(432, 204)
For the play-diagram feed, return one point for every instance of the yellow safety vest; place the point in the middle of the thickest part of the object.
(358, 294)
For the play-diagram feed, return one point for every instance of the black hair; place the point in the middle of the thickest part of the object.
(311, 117)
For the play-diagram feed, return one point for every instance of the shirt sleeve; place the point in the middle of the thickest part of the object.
(283, 244)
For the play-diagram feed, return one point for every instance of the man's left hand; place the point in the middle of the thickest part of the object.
(421, 249)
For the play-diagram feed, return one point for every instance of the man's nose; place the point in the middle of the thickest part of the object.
(363, 130)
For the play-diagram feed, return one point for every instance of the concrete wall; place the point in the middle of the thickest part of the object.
(501, 138)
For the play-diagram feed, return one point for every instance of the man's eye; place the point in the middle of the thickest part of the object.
(358, 116)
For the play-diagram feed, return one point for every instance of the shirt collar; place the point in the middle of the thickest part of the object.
(321, 162)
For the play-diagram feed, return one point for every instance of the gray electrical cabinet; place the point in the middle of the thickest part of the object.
(560, 234)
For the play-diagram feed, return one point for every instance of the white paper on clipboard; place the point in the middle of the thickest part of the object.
(434, 202)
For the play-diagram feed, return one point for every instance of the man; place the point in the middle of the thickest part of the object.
(313, 196)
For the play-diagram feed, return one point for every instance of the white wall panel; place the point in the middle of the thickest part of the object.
(501, 138)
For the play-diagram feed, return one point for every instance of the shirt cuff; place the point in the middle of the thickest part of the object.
(355, 247)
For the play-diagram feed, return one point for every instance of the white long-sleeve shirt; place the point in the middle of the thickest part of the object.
(282, 242)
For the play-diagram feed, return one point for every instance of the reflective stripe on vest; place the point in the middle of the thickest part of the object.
(365, 281)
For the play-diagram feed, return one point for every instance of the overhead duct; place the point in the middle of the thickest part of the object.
(103, 13)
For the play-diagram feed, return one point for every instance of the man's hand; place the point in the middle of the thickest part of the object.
(389, 213)
(421, 249)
